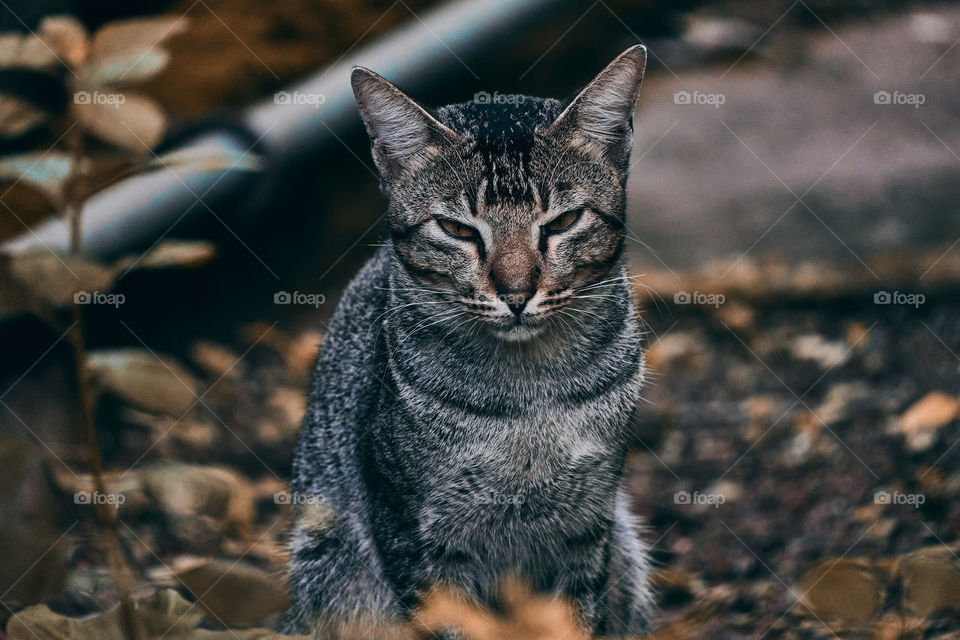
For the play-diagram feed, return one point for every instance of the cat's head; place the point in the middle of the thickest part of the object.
(509, 206)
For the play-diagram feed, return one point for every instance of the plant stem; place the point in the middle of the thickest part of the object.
(106, 513)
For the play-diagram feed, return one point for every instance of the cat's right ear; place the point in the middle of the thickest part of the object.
(401, 131)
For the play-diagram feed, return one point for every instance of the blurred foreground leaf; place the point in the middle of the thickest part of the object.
(165, 614)
(47, 171)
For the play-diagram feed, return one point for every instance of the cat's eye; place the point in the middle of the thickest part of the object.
(563, 222)
(458, 230)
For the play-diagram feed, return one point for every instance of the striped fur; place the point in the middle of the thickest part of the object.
(455, 434)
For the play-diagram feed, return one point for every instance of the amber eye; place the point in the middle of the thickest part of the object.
(458, 230)
(564, 221)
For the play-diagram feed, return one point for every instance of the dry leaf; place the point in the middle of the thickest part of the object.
(235, 593)
(146, 380)
(56, 279)
(291, 403)
(25, 51)
(845, 588)
(919, 423)
(183, 489)
(67, 37)
(124, 70)
(527, 616)
(127, 120)
(48, 171)
(17, 117)
(163, 615)
(216, 359)
(135, 36)
(931, 580)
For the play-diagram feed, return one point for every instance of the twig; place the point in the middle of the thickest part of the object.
(106, 513)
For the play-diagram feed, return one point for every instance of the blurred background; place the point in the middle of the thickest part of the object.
(793, 211)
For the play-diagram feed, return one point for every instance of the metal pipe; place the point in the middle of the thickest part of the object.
(138, 210)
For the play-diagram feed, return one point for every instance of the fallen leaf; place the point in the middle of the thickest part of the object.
(235, 593)
(146, 380)
(163, 615)
(827, 353)
(919, 423)
(848, 588)
(184, 489)
(931, 580)
(216, 359)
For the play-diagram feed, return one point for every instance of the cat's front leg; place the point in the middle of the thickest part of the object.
(337, 588)
(627, 600)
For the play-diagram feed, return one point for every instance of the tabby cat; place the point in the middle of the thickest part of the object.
(469, 413)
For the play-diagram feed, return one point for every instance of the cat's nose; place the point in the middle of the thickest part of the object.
(516, 299)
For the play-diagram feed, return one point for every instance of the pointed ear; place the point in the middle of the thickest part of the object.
(401, 131)
(600, 118)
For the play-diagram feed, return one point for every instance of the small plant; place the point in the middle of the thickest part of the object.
(65, 83)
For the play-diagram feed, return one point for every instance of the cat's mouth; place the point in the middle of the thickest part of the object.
(519, 328)
(518, 331)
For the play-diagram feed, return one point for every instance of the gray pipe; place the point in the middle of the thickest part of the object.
(138, 210)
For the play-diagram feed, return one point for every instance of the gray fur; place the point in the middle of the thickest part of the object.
(468, 415)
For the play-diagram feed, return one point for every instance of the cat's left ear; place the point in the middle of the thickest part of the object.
(600, 118)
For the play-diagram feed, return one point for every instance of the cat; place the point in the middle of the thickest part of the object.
(469, 413)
